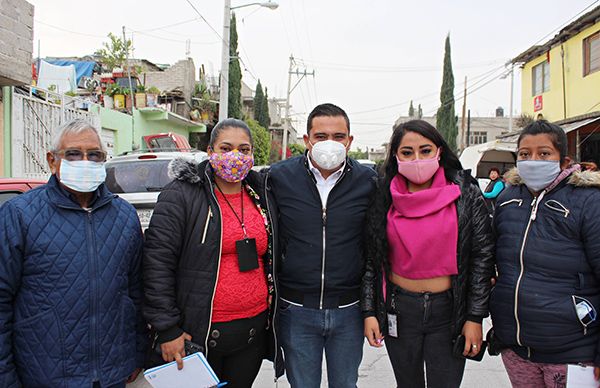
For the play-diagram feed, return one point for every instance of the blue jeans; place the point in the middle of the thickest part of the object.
(305, 332)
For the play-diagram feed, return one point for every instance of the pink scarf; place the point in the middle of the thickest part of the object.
(422, 229)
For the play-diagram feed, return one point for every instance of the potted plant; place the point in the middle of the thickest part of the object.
(109, 93)
(152, 96)
(128, 102)
(140, 96)
(119, 97)
(206, 108)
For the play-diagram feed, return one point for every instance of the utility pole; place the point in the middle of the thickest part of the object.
(510, 112)
(468, 127)
(130, 93)
(290, 89)
(462, 124)
(225, 58)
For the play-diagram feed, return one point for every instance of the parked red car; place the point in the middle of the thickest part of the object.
(11, 187)
(167, 142)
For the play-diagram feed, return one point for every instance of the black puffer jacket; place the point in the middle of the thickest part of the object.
(471, 287)
(182, 253)
(548, 255)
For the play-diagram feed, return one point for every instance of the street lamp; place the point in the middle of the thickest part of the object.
(225, 57)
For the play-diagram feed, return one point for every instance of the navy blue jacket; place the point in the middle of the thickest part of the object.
(315, 240)
(70, 290)
(548, 252)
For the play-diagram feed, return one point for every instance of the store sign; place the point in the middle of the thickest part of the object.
(538, 104)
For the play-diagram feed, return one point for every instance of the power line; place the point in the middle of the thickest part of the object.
(69, 31)
(204, 19)
(168, 25)
(392, 69)
(565, 23)
(484, 75)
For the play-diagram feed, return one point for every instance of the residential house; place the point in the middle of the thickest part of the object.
(561, 80)
(177, 84)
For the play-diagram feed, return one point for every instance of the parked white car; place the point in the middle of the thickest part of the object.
(139, 177)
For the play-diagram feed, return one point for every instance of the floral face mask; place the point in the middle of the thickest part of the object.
(232, 166)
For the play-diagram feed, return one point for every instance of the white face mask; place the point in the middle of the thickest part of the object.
(328, 154)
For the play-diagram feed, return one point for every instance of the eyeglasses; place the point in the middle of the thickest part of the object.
(75, 154)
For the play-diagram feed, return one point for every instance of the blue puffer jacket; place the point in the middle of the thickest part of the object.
(548, 258)
(70, 290)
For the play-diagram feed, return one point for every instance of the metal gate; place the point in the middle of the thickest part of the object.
(33, 124)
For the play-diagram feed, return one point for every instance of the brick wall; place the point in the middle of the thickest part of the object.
(16, 42)
(181, 75)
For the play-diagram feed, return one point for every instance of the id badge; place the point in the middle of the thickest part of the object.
(247, 255)
(392, 325)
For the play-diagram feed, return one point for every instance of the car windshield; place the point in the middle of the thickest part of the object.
(137, 176)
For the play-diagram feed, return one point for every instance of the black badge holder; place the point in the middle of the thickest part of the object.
(246, 247)
(247, 254)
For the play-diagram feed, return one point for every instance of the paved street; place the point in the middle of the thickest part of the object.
(376, 371)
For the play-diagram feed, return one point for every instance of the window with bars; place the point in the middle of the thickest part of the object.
(478, 138)
(591, 54)
(540, 78)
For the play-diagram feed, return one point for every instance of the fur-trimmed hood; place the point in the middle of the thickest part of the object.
(577, 178)
(187, 170)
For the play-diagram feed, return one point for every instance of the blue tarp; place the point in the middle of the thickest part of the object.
(82, 68)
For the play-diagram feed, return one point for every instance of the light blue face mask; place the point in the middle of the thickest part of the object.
(538, 174)
(82, 175)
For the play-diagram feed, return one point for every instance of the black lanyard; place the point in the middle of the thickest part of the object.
(240, 220)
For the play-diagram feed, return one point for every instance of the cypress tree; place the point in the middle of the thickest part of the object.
(419, 112)
(411, 110)
(235, 74)
(258, 103)
(266, 118)
(446, 118)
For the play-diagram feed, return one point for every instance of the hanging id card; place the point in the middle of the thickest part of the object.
(392, 325)
(247, 255)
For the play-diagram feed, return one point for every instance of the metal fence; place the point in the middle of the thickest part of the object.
(33, 124)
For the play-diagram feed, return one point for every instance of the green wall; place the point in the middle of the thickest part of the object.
(147, 123)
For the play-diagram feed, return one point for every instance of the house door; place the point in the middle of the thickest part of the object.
(108, 139)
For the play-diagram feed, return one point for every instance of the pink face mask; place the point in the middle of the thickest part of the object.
(232, 166)
(419, 171)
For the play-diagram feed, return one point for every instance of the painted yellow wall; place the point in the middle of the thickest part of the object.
(582, 93)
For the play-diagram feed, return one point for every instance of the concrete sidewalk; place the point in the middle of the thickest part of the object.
(376, 371)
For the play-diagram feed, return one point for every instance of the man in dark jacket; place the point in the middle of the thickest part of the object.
(322, 199)
(70, 277)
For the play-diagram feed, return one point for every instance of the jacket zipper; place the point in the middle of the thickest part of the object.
(208, 217)
(532, 217)
(212, 298)
(323, 257)
(274, 278)
(94, 295)
(324, 219)
(561, 209)
(519, 201)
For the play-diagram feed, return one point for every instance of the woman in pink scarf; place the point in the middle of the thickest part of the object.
(429, 260)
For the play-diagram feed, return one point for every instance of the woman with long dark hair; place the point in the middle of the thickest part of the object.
(429, 260)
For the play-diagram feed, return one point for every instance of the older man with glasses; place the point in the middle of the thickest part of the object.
(70, 278)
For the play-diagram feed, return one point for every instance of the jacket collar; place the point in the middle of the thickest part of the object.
(62, 198)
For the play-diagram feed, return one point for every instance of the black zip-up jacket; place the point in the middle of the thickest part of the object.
(475, 254)
(548, 255)
(322, 255)
(182, 254)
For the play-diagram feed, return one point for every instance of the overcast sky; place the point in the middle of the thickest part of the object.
(369, 57)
